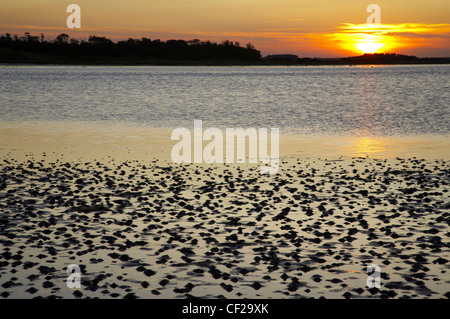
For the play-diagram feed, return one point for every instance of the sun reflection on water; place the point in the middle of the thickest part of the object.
(367, 146)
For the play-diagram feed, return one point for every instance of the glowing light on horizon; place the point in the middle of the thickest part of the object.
(370, 43)
(369, 47)
(366, 38)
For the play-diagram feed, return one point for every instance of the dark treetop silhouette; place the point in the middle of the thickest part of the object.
(135, 51)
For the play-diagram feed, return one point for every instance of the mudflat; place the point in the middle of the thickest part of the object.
(140, 226)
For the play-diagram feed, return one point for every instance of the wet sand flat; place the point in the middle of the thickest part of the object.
(81, 141)
(140, 226)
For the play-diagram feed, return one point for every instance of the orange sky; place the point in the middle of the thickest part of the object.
(314, 28)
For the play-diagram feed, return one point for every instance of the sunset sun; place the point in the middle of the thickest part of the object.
(367, 38)
(369, 46)
(369, 43)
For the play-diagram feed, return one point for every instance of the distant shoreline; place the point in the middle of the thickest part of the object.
(211, 64)
(134, 52)
(57, 60)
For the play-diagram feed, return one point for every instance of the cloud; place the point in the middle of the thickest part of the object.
(390, 37)
(441, 28)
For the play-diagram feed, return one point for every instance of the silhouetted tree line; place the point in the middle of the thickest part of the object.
(63, 49)
(368, 58)
(97, 46)
(385, 58)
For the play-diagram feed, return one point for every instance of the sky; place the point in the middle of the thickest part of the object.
(307, 28)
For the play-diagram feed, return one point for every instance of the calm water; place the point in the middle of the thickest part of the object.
(354, 101)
